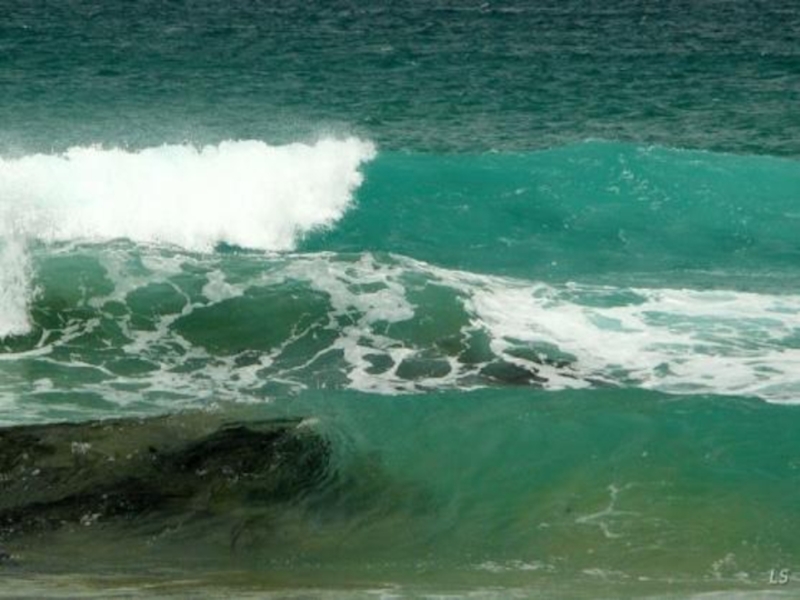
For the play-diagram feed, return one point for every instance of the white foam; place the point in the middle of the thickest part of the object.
(343, 283)
(680, 341)
(246, 193)
(217, 289)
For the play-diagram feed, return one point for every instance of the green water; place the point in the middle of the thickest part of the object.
(557, 492)
(595, 211)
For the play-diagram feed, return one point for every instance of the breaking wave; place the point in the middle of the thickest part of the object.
(242, 193)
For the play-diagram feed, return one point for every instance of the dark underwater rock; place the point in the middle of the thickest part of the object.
(64, 474)
(511, 374)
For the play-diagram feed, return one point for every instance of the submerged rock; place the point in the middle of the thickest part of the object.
(81, 474)
(511, 374)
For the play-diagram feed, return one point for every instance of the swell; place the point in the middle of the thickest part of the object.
(436, 285)
(595, 210)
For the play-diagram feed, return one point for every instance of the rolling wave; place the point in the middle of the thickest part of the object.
(563, 268)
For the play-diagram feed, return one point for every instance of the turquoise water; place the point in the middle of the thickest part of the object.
(532, 271)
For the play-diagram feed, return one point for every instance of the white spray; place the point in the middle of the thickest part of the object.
(16, 288)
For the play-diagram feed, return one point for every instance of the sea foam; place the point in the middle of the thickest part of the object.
(244, 193)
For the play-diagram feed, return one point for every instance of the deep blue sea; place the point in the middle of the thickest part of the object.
(530, 268)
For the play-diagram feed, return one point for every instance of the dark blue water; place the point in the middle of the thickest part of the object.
(718, 75)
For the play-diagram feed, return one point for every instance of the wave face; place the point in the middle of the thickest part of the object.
(592, 211)
(494, 489)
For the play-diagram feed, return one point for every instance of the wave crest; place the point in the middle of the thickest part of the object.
(246, 193)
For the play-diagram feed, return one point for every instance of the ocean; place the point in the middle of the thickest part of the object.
(470, 299)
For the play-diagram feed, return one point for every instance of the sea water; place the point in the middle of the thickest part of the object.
(532, 268)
